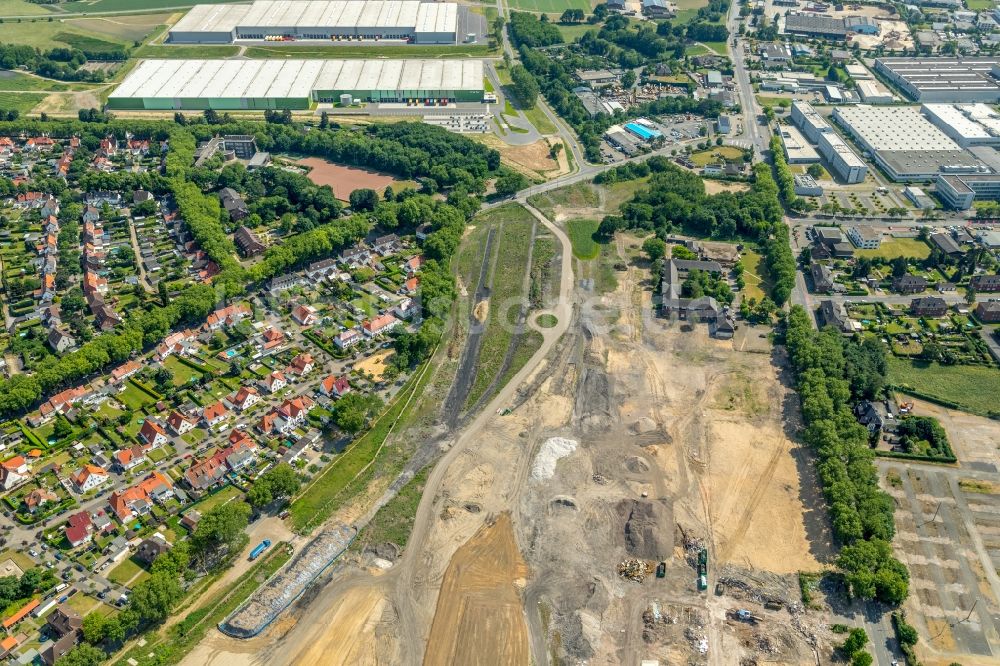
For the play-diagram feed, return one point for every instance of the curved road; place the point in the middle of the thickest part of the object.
(409, 562)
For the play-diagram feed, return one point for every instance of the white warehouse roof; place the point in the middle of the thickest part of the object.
(965, 121)
(893, 128)
(422, 16)
(293, 78)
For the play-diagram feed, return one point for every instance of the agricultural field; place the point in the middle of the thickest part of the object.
(21, 102)
(972, 387)
(21, 8)
(550, 6)
(73, 33)
(688, 9)
(93, 6)
(898, 247)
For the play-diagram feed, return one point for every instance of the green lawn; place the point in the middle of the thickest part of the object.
(183, 374)
(20, 559)
(550, 6)
(974, 387)
(20, 102)
(718, 47)
(133, 398)
(577, 195)
(394, 521)
(185, 51)
(581, 235)
(16, 81)
(898, 247)
(979, 5)
(573, 32)
(126, 571)
(541, 122)
(756, 285)
(716, 154)
(227, 494)
(382, 51)
(21, 8)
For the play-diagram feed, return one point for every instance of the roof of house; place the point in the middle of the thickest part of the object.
(214, 411)
(87, 471)
(150, 430)
(336, 384)
(13, 463)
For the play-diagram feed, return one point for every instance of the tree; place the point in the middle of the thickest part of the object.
(628, 79)
(832, 74)
(970, 295)
(509, 183)
(63, 428)
(363, 199)
(815, 170)
(219, 531)
(862, 659)
(524, 87)
(154, 597)
(82, 655)
(871, 572)
(899, 266)
(164, 295)
(655, 248)
(278, 482)
(855, 642)
(352, 412)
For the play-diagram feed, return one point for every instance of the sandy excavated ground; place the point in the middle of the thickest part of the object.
(680, 442)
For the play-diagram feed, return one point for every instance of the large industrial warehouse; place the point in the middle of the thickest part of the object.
(969, 79)
(234, 85)
(329, 20)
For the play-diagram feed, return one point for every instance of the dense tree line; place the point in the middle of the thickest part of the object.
(528, 30)
(862, 515)
(58, 63)
(786, 179)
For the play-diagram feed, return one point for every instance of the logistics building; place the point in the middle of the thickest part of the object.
(967, 124)
(944, 79)
(295, 84)
(330, 20)
(797, 149)
(843, 161)
(817, 25)
(904, 143)
(960, 190)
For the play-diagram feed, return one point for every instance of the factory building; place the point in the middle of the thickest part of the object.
(904, 143)
(817, 25)
(407, 21)
(960, 190)
(842, 160)
(295, 84)
(797, 149)
(810, 122)
(873, 92)
(966, 124)
(944, 79)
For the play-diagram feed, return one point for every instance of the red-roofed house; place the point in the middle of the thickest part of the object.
(13, 472)
(179, 423)
(138, 499)
(301, 365)
(245, 398)
(79, 529)
(204, 474)
(334, 387)
(124, 371)
(379, 325)
(410, 286)
(272, 338)
(274, 382)
(153, 433)
(414, 264)
(126, 459)
(38, 498)
(89, 477)
(288, 416)
(228, 316)
(305, 315)
(20, 614)
(214, 414)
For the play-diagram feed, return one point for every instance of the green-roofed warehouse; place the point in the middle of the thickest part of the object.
(233, 85)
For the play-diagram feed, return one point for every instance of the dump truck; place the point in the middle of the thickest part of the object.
(703, 569)
(743, 615)
(261, 547)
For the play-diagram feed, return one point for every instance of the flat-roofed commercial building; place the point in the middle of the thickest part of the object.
(966, 124)
(817, 25)
(843, 161)
(294, 84)
(943, 79)
(329, 20)
(960, 190)
(797, 149)
(904, 143)
(810, 122)
(873, 92)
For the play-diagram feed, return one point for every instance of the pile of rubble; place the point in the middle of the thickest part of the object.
(635, 570)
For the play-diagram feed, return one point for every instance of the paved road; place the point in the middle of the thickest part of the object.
(758, 135)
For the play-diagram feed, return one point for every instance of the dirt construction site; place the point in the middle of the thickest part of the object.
(567, 529)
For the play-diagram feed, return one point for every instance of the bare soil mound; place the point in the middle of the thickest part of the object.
(648, 528)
